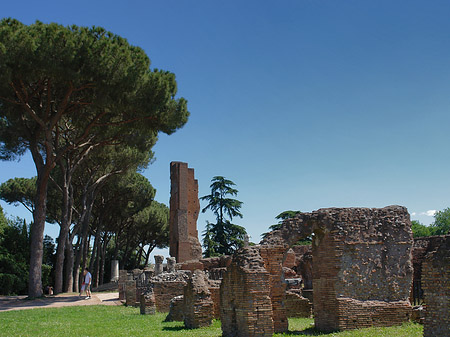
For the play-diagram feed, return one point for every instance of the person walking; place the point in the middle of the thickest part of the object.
(86, 285)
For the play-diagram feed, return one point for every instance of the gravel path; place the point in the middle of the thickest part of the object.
(62, 300)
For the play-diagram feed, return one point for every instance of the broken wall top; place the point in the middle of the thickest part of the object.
(354, 223)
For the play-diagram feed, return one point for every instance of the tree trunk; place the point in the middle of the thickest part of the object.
(37, 229)
(76, 266)
(69, 266)
(65, 228)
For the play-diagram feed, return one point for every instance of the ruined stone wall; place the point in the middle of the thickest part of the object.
(246, 308)
(362, 264)
(303, 264)
(297, 306)
(423, 246)
(273, 262)
(198, 305)
(436, 285)
(166, 286)
(176, 312)
(123, 277)
(184, 209)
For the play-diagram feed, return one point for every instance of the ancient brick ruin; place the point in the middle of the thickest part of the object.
(245, 307)
(361, 278)
(184, 209)
(436, 286)
(198, 305)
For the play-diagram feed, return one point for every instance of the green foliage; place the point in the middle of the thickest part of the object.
(3, 222)
(223, 237)
(420, 230)
(19, 190)
(284, 216)
(441, 225)
(14, 255)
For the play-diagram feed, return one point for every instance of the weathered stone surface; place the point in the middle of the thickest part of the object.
(304, 266)
(130, 293)
(158, 264)
(198, 305)
(362, 264)
(245, 305)
(167, 286)
(436, 286)
(123, 277)
(184, 209)
(171, 262)
(297, 306)
(176, 312)
(148, 303)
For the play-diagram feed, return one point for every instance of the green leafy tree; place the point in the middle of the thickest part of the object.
(281, 217)
(420, 230)
(14, 255)
(441, 224)
(223, 237)
(3, 222)
(65, 90)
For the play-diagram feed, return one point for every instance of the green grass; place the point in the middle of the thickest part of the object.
(125, 321)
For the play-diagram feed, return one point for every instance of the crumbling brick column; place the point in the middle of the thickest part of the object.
(245, 305)
(198, 305)
(130, 293)
(148, 303)
(123, 277)
(436, 285)
(184, 209)
(273, 262)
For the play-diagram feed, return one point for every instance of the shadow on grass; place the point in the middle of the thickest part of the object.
(174, 328)
(309, 332)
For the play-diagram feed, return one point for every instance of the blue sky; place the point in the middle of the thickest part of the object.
(303, 104)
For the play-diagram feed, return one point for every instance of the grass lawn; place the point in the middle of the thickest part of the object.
(125, 321)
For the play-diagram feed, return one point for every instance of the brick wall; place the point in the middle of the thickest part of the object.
(362, 264)
(184, 209)
(273, 262)
(198, 305)
(297, 306)
(245, 305)
(436, 286)
(164, 292)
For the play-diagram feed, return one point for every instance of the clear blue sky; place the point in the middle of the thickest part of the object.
(304, 104)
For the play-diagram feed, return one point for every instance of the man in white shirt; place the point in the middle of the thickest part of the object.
(86, 285)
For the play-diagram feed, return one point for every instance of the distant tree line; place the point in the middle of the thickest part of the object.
(88, 108)
(440, 225)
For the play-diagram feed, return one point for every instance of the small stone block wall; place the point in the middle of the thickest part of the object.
(198, 305)
(436, 286)
(297, 306)
(147, 303)
(245, 305)
(123, 277)
(176, 312)
(165, 291)
(215, 297)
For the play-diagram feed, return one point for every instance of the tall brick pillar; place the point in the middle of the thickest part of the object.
(184, 209)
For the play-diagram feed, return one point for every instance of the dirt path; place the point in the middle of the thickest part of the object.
(62, 300)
